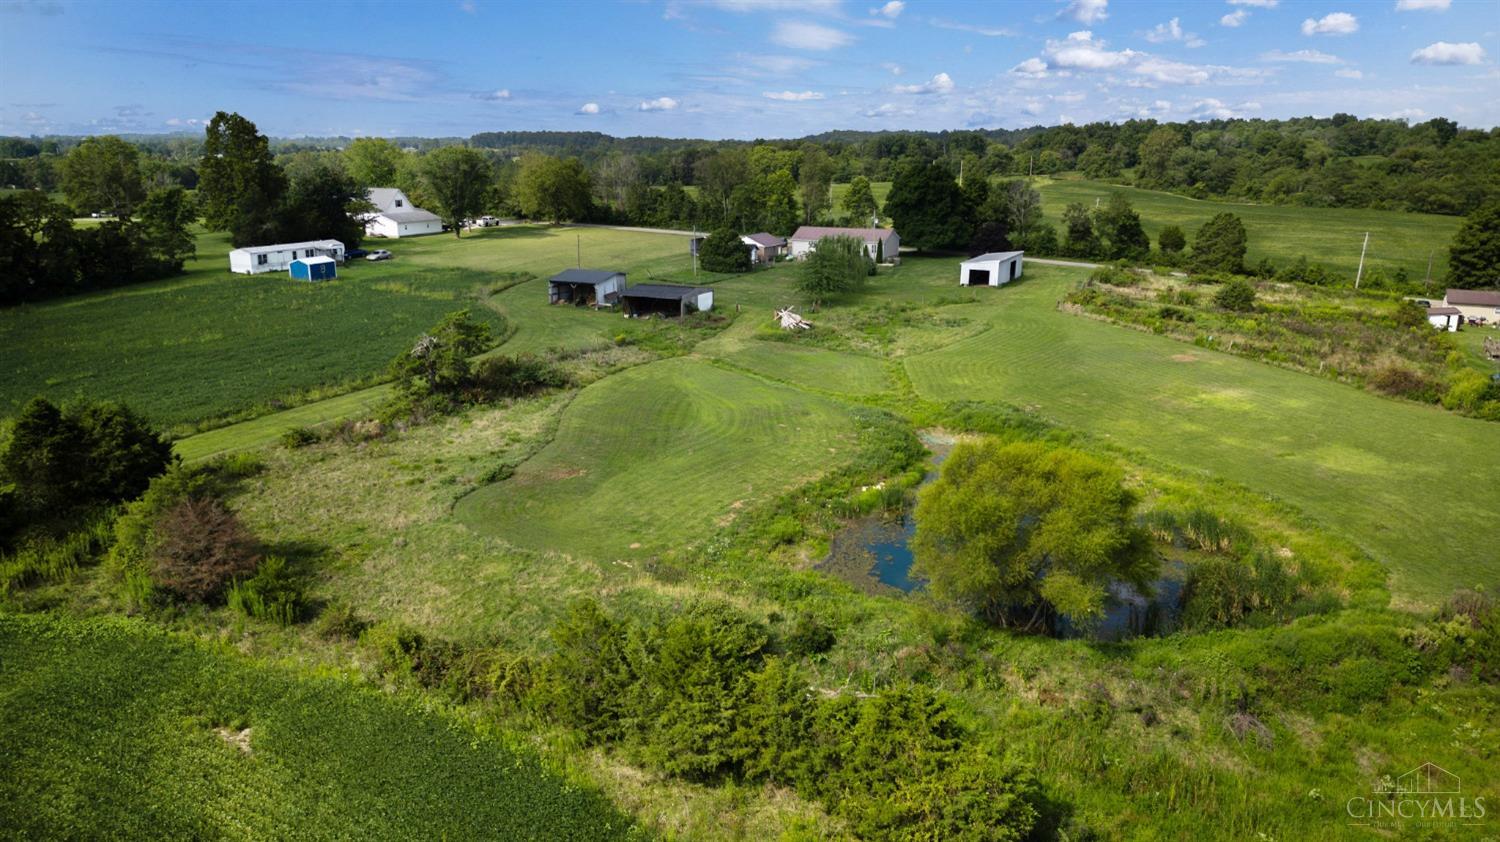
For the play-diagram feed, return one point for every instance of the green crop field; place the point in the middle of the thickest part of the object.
(116, 728)
(212, 344)
(651, 458)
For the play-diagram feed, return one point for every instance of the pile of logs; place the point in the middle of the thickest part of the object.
(1492, 348)
(792, 321)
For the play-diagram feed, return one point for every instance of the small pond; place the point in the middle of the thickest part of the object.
(874, 554)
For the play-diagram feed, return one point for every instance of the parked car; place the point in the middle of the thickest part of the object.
(378, 254)
(355, 254)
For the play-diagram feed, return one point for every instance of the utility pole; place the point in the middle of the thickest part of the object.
(1361, 272)
(578, 244)
(960, 173)
(1428, 281)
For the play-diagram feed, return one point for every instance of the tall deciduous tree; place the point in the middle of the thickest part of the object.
(776, 197)
(859, 203)
(458, 179)
(373, 161)
(103, 173)
(815, 180)
(554, 189)
(1474, 256)
(926, 207)
(239, 186)
(1079, 239)
(1119, 226)
(164, 218)
(1017, 532)
(1154, 166)
(324, 202)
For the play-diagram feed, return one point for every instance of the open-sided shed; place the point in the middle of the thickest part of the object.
(314, 269)
(666, 299)
(591, 287)
(991, 270)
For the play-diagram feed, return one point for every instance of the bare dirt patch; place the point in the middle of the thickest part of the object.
(1185, 358)
(239, 739)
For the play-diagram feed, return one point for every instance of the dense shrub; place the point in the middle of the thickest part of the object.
(339, 621)
(724, 251)
(1236, 295)
(273, 594)
(406, 655)
(1402, 381)
(299, 437)
(836, 265)
(199, 547)
(48, 559)
(1171, 240)
(510, 377)
(1117, 276)
(808, 636)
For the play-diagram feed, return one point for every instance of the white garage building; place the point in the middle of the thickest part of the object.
(253, 260)
(991, 270)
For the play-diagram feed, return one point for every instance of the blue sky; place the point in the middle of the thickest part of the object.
(734, 68)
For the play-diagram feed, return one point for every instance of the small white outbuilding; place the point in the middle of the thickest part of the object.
(1445, 318)
(991, 270)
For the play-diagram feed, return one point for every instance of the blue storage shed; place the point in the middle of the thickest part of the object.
(314, 269)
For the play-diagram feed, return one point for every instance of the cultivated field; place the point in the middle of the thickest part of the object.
(114, 724)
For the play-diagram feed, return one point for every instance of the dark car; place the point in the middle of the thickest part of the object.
(355, 254)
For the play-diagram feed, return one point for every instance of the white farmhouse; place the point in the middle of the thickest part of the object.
(882, 244)
(253, 260)
(395, 216)
(991, 270)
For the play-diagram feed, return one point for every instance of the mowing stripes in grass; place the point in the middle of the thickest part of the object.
(655, 457)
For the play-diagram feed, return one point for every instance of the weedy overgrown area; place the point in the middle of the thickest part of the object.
(575, 584)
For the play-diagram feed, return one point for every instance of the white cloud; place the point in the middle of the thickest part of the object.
(1423, 5)
(662, 103)
(894, 68)
(809, 36)
(1033, 68)
(1259, 4)
(1086, 11)
(888, 110)
(1334, 23)
(1348, 73)
(939, 84)
(793, 96)
(494, 96)
(1213, 109)
(1082, 51)
(1234, 19)
(1173, 72)
(977, 29)
(1033, 107)
(468, 7)
(588, 108)
(1307, 56)
(778, 65)
(1164, 33)
(1443, 52)
(827, 7)
(1402, 114)
(890, 10)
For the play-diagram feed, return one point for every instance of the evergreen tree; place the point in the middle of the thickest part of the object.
(1171, 240)
(1079, 239)
(1220, 245)
(1474, 256)
(724, 251)
(1119, 226)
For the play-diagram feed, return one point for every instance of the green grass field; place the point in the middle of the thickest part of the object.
(1331, 236)
(116, 728)
(655, 457)
(210, 344)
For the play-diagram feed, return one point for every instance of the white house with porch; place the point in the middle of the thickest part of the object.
(395, 216)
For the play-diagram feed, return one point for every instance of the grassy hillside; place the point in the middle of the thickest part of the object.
(115, 729)
(211, 343)
(655, 457)
(1331, 236)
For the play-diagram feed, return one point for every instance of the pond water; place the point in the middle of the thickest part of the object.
(874, 554)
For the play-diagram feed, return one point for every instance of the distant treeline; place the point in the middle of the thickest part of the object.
(1339, 161)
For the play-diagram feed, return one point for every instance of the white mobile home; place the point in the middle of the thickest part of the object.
(991, 270)
(395, 216)
(253, 260)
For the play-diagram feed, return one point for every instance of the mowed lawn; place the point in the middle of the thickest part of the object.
(212, 344)
(655, 457)
(1416, 486)
(116, 729)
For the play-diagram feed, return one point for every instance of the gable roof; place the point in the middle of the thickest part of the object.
(309, 244)
(413, 215)
(1472, 298)
(818, 232)
(584, 276)
(1444, 311)
(384, 198)
(765, 240)
(994, 255)
(663, 292)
